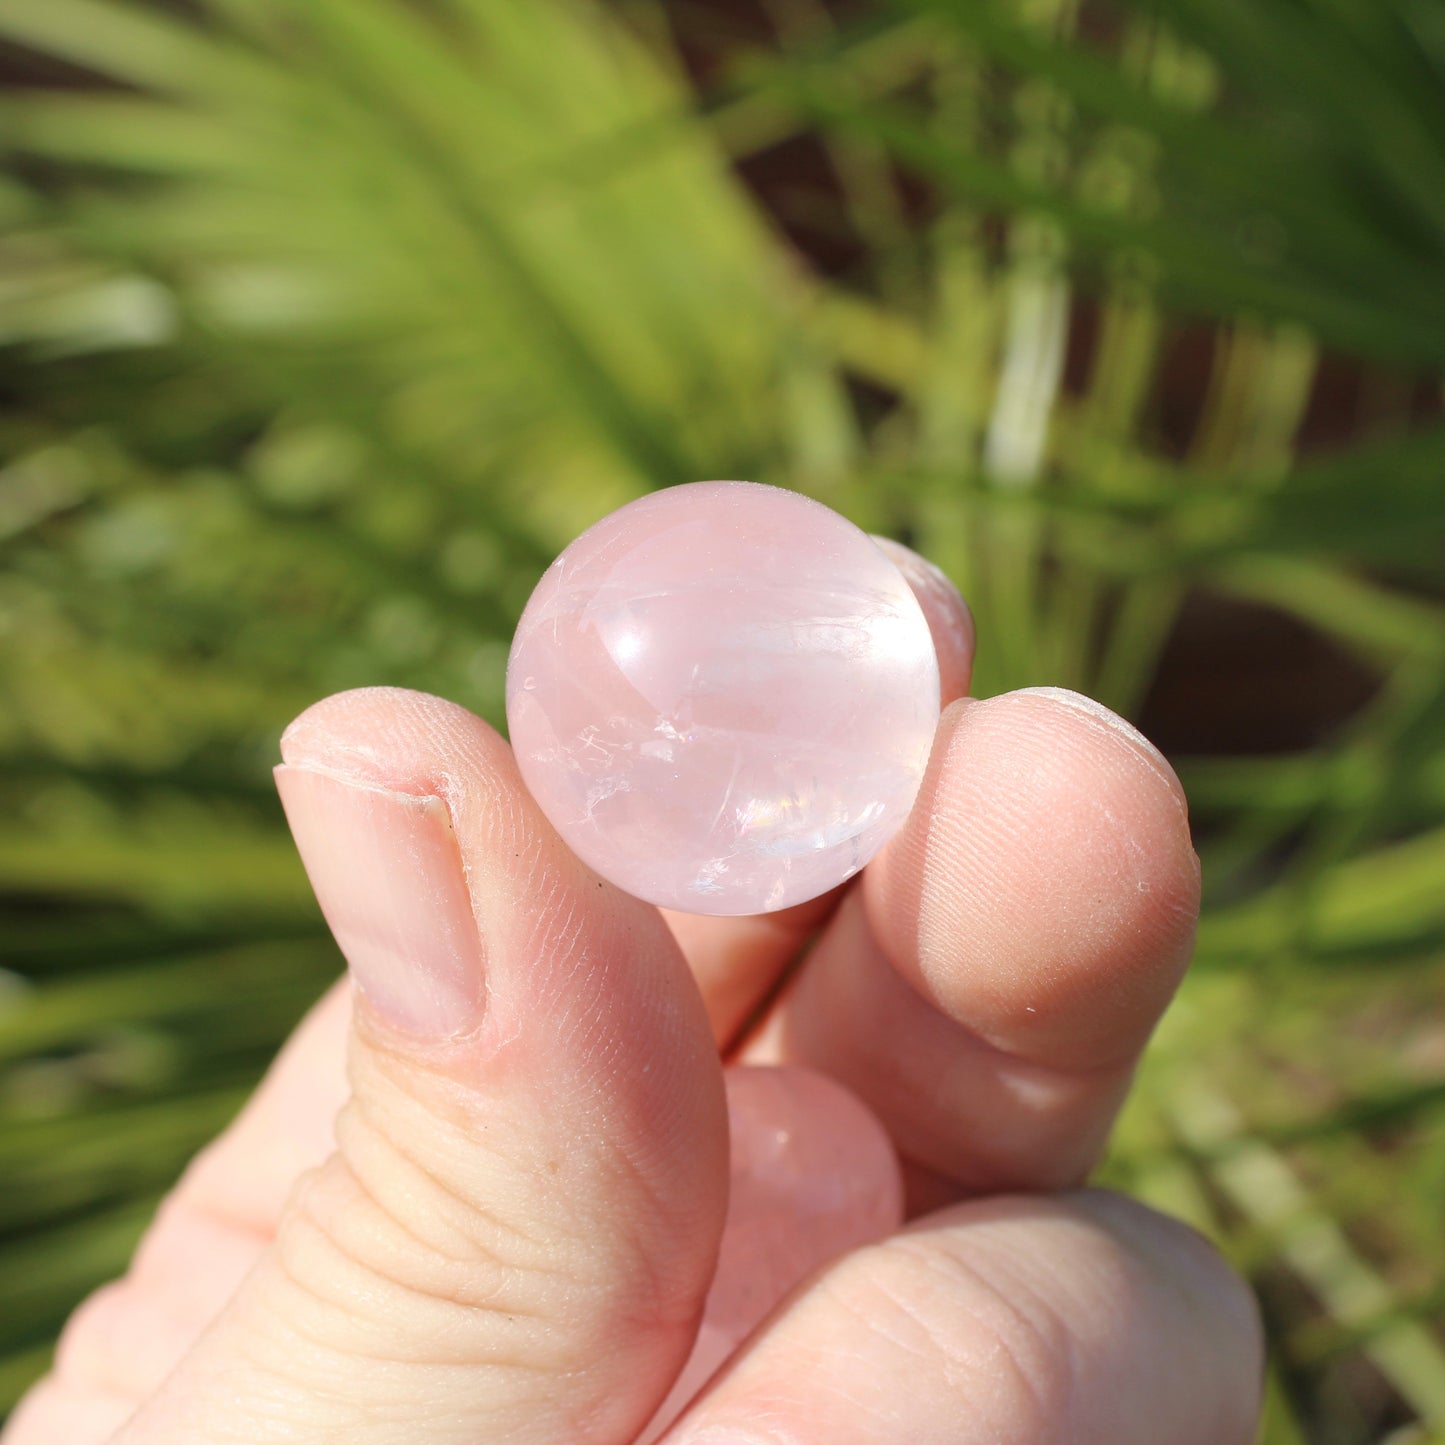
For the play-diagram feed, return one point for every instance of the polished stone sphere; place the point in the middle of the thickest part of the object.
(723, 697)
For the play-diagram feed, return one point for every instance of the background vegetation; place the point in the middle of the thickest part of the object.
(325, 323)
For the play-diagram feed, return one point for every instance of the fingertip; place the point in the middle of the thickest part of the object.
(396, 738)
(1088, 711)
(949, 620)
(1045, 889)
(1008, 1319)
(1192, 1265)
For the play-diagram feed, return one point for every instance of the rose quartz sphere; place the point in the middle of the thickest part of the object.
(723, 697)
(813, 1176)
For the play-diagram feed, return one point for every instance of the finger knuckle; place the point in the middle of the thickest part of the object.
(431, 1236)
(376, 1248)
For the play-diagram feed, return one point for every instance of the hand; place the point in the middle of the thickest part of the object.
(485, 1202)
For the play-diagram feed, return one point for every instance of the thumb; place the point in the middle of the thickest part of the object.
(515, 1234)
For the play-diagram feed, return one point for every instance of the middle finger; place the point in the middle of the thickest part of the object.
(989, 987)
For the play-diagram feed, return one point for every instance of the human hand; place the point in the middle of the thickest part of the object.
(485, 1203)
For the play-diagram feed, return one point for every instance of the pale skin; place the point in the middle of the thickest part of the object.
(507, 1233)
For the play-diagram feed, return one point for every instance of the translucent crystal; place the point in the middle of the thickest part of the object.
(723, 697)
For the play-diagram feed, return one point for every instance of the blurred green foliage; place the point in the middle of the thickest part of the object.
(325, 323)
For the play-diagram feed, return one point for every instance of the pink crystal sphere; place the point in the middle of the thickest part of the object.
(723, 697)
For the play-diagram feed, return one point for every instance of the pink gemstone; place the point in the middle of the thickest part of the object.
(723, 697)
(813, 1177)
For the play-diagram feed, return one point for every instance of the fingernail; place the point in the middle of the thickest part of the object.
(387, 873)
